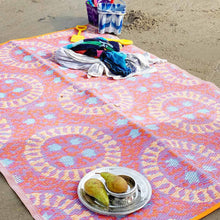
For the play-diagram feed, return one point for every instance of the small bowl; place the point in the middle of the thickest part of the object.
(126, 198)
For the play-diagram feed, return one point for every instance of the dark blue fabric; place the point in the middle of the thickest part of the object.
(90, 46)
(115, 45)
(116, 62)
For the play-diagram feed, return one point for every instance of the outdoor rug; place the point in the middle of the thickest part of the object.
(56, 125)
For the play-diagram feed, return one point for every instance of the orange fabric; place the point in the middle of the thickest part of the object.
(207, 212)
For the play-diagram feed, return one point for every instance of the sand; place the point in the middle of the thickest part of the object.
(185, 32)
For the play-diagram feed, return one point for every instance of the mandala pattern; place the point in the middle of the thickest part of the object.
(188, 111)
(72, 166)
(80, 98)
(69, 207)
(174, 153)
(28, 57)
(174, 74)
(18, 90)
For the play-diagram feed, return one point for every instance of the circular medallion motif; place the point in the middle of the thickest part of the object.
(187, 110)
(18, 90)
(26, 54)
(174, 74)
(64, 152)
(92, 98)
(166, 162)
(72, 209)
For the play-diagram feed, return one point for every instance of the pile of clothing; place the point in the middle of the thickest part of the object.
(99, 56)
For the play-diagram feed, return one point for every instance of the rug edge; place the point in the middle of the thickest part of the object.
(14, 186)
(207, 212)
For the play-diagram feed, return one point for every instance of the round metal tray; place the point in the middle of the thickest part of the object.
(144, 192)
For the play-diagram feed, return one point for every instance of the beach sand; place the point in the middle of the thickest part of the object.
(185, 32)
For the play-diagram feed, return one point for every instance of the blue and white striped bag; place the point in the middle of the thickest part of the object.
(110, 17)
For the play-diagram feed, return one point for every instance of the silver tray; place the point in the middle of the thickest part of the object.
(143, 196)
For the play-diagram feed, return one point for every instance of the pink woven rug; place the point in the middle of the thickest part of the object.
(56, 125)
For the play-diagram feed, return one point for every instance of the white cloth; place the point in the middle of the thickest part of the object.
(72, 60)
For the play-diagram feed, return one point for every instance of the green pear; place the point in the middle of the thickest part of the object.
(96, 189)
(114, 182)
